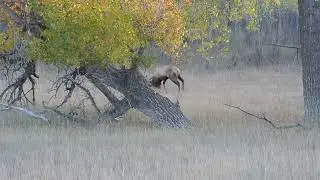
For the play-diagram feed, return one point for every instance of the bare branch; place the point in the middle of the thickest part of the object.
(16, 88)
(285, 46)
(88, 93)
(64, 81)
(70, 78)
(290, 47)
(264, 118)
(66, 98)
(29, 112)
(68, 116)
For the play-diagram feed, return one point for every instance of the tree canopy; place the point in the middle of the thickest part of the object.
(216, 16)
(109, 32)
(104, 31)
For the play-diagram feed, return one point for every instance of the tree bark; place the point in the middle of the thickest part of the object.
(275, 27)
(309, 26)
(132, 84)
(258, 47)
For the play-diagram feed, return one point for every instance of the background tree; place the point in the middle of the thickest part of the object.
(96, 35)
(309, 24)
(210, 23)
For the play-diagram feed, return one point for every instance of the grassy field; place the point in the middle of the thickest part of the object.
(223, 144)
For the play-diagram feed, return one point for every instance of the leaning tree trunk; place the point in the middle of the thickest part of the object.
(132, 84)
(309, 25)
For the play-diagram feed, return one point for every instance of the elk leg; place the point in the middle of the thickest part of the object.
(176, 82)
(182, 80)
(164, 85)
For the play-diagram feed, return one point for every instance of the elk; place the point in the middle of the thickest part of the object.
(171, 72)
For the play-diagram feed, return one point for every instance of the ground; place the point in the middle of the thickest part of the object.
(223, 144)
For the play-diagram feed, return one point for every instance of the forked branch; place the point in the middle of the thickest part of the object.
(263, 117)
(15, 91)
(69, 83)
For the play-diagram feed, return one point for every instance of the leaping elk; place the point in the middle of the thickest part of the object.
(171, 72)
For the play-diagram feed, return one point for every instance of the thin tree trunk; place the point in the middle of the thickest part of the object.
(309, 25)
(276, 28)
(234, 44)
(258, 58)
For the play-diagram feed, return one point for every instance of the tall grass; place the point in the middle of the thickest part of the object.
(223, 144)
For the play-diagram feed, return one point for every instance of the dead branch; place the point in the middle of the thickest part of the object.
(285, 46)
(13, 62)
(69, 80)
(67, 97)
(263, 117)
(279, 45)
(70, 83)
(88, 94)
(56, 85)
(65, 80)
(15, 91)
(70, 116)
(28, 112)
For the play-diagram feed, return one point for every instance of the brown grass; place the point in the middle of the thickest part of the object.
(224, 144)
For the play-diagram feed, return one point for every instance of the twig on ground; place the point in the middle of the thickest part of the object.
(264, 118)
(29, 112)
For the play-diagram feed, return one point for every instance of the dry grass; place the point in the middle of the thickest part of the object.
(224, 144)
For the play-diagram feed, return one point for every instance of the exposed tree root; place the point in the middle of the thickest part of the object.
(28, 112)
(263, 117)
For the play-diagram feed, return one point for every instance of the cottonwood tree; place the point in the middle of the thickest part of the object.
(95, 36)
(309, 25)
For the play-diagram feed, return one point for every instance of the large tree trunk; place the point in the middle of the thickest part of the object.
(132, 84)
(309, 25)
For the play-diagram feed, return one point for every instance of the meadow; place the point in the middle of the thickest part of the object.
(224, 143)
